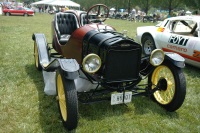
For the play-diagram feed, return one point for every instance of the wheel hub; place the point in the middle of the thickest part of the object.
(148, 46)
(162, 84)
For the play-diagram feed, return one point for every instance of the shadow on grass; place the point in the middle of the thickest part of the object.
(50, 120)
(101, 110)
(191, 71)
(49, 117)
(145, 105)
(139, 106)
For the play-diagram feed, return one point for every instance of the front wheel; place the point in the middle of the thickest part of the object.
(148, 44)
(67, 100)
(172, 86)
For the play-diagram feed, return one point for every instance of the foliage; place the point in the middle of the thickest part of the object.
(169, 4)
(85, 4)
(26, 109)
(145, 5)
(195, 5)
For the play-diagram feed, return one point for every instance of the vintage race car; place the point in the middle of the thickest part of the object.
(177, 34)
(89, 61)
(19, 11)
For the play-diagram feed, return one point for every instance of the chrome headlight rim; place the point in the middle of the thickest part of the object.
(87, 57)
(151, 57)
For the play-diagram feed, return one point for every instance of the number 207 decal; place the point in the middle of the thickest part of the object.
(196, 54)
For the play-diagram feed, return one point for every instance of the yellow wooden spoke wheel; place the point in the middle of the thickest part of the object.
(171, 84)
(165, 78)
(67, 100)
(61, 98)
(36, 57)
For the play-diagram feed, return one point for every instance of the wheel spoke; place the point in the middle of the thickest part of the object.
(36, 54)
(62, 98)
(62, 102)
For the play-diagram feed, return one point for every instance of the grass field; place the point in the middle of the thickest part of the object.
(24, 108)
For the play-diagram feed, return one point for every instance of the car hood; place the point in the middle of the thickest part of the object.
(148, 27)
(143, 29)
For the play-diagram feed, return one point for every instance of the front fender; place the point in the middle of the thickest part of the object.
(175, 58)
(41, 43)
(70, 68)
(146, 30)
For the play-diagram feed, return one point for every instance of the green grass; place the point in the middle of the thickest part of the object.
(25, 108)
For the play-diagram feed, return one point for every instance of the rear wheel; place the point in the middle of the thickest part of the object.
(67, 100)
(172, 86)
(36, 57)
(7, 14)
(148, 44)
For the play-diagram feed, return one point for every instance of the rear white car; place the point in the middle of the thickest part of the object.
(177, 34)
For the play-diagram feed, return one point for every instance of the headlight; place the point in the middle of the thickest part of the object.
(91, 63)
(157, 57)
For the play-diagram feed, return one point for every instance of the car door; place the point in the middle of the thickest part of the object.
(196, 48)
(181, 39)
(14, 11)
(160, 31)
(20, 11)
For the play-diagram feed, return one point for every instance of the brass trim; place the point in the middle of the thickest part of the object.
(89, 56)
(153, 52)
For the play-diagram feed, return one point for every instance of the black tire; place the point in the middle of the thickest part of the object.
(67, 101)
(144, 20)
(172, 86)
(25, 15)
(7, 14)
(36, 58)
(148, 44)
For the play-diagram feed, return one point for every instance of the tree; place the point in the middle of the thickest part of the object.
(169, 4)
(195, 4)
(145, 5)
(110, 3)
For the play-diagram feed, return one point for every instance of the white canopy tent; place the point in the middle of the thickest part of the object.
(64, 3)
(112, 9)
(57, 3)
(1, 9)
(188, 13)
(41, 2)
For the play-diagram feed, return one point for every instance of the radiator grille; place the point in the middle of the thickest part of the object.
(122, 65)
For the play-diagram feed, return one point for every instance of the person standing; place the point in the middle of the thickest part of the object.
(39, 9)
(133, 14)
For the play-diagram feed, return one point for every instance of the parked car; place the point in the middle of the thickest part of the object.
(89, 61)
(18, 11)
(177, 34)
(148, 19)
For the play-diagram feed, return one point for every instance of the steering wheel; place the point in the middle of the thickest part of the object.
(97, 13)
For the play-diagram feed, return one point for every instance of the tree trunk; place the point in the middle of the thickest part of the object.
(170, 7)
(147, 7)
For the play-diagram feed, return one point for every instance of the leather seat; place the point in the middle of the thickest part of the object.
(65, 25)
(83, 19)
